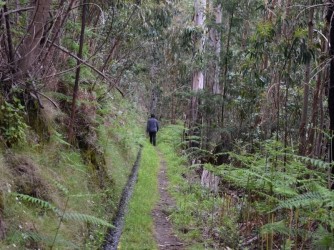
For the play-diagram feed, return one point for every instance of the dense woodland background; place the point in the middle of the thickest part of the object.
(248, 83)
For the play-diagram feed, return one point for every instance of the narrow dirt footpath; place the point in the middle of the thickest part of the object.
(164, 235)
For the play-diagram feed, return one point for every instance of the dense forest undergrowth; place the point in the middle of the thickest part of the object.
(269, 199)
(54, 195)
(250, 82)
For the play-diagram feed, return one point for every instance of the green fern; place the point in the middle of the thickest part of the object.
(197, 153)
(323, 239)
(35, 201)
(307, 199)
(73, 216)
(61, 187)
(314, 162)
(276, 227)
(58, 138)
(67, 215)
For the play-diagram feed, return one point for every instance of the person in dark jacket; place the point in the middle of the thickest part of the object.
(152, 129)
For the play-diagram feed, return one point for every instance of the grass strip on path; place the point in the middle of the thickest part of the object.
(138, 230)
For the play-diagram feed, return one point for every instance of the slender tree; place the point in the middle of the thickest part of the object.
(329, 18)
(215, 35)
(303, 122)
(77, 74)
(198, 75)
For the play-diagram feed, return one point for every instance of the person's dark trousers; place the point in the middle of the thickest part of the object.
(153, 136)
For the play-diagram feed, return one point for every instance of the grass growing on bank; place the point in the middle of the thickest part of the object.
(193, 216)
(138, 230)
(46, 169)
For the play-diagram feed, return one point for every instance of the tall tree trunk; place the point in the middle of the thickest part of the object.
(198, 76)
(9, 39)
(215, 35)
(77, 74)
(303, 122)
(29, 49)
(224, 88)
(8, 44)
(317, 95)
(329, 18)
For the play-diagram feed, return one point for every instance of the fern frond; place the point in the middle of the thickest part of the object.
(258, 175)
(267, 196)
(302, 200)
(57, 137)
(276, 227)
(86, 218)
(314, 162)
(35, 201)
(61, 187)
(197, 152)
(285, 191)
(323, 238)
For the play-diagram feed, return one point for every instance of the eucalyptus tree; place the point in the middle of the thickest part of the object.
(198, 75)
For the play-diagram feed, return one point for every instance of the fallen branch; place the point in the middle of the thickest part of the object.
(87, 64)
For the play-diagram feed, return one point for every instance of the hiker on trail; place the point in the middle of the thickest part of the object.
(152, 128)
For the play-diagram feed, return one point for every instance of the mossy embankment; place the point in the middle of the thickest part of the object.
(138, 230)
(62, 196)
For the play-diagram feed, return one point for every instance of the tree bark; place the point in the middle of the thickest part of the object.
(77, 74)
(9, 39)
(303, 122)
(216, 42)
(329, 18)
(30, 45)
(198, 76)
(224, 87)
(48, 57)
(317, 95)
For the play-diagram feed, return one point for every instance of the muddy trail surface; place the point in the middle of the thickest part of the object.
(164, 234)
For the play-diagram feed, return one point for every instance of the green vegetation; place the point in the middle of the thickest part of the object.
(195, 216)
(252, 83)
(138, 230)
(273, 182)
(258, 190)
(53, 194)
(12, 124)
